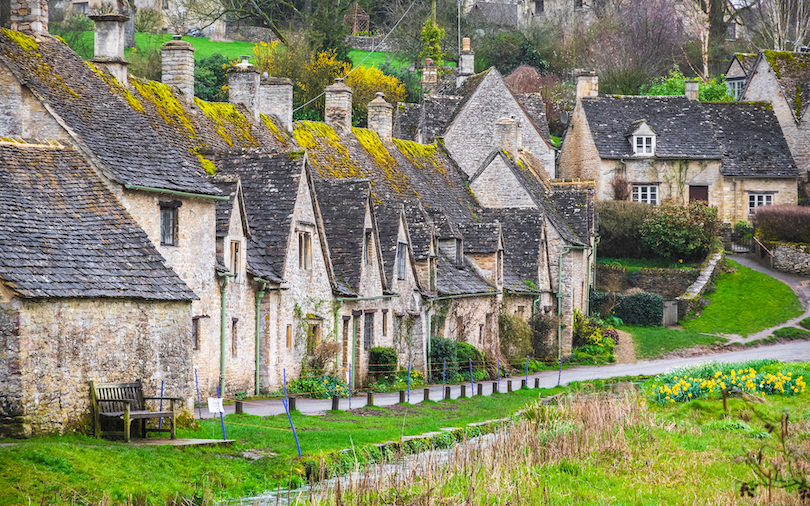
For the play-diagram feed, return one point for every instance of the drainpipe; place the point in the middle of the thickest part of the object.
(223, 294)
(559, 303)
(336, 311)
(259, 297)
(427, 317)
(591, 261)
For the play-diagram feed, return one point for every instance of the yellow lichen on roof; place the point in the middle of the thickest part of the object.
(167, 106)
(422, 156)
(283, 140)
(24, 41)
(382, 158)
(224, 114)
(116, 87)
(329, 156)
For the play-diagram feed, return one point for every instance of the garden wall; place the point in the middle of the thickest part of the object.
(792, 258)
(668, 283)
(692, 295)
(371, 43)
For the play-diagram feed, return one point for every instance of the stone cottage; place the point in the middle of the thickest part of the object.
(783, 79)
(84, 293)
(732, 155)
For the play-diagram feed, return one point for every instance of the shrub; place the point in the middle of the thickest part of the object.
(784, 223)
(443, 350)
(211, 78)
(674, 230)
(466, 352)
(791, 333)
(805, 323)
(675, 84)
(324, 355)
(320, 387)
(543, 327)
(148, 20)
(621, 188)
(637, 309)
(382, 360)
(619, 228)
(516, 336)
(743, 229)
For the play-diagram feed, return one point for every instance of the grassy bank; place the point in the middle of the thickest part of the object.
(655, 342)
(50, 470)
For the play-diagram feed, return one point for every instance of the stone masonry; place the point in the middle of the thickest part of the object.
(338, 112)
(380, 117)
(276, 98)
(177, 60)
(29, 16)
(792, 258)
(243, 86)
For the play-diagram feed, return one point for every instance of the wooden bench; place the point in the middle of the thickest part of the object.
(125, 401)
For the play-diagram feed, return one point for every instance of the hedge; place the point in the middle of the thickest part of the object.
(465, 352)
(442, 350)
(382, 360)
(784, 223)
(620, 228)
(637, 309)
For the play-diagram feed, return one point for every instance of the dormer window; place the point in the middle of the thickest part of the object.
(644, 145)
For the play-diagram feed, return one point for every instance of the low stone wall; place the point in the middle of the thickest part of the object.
(692, 295)
(668, 283)
(792, 258)
(371, 43)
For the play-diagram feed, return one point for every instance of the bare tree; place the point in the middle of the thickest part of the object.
(781, 25)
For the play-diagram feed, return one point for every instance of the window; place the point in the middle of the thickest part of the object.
(645, 193)
(368, 331)
(731, 31)
(368, 244)
(520, 311)
(165, 4)
(459, 328)
(644, 144)
(168, 222)
(578, 4)
(235, 257)
(735, 87)
(313, 336)
(81, 7)
(234, 336)
(195, 333)
(402, 249)
(346, 341)
(305, 250)
(289, 336)
(759, 199)
(385, 322)
(539, 6)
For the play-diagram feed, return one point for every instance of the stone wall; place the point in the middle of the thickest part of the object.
(497, 187)
(687, 301)
(792, 258)
(372, 43)
(53, 349)
(668, 283)
(579, 157)
(22, 115)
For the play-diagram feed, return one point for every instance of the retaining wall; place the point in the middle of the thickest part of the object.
(792, 258)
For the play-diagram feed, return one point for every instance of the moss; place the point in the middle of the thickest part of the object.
(382, 158)
(223, 115)
(116, 87)
(167, 106)
(283, 139)
(422, 156)
(798, 104)
(24, 41)
(60, 39)
(784, 62)
(207, 164)
(329, 156)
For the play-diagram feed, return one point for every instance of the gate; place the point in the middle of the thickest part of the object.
(670, 313)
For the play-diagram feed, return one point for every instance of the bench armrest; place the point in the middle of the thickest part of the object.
(131, 401)
(163, 398)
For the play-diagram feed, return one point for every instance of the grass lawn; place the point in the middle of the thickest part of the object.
(745, 301)
(654, 342)
(647, 263)
(50, 469)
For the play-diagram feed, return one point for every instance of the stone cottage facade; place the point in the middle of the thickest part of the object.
(262, 242)
(731, 155)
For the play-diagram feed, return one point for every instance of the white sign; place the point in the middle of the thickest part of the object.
(215, 405)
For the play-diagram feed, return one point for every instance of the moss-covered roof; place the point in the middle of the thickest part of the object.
(793, 73)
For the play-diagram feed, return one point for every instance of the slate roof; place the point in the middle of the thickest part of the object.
(388, 217)
(270, 187)
(103, 120)
(793, 74)
(343, 209)
(522, 231)
(753, 150)
(420, 229)
(682, 129)
(744, 136)
(406, 121)
(481, 237)
(535, 109)
(64, 235)
(436, 114)
(576, 208)
(228, 185)
(452, 279)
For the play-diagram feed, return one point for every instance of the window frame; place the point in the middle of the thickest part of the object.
(169, 211)
(646, 148)
(402, 251)
(305, 250)
(765, 198)
(636, 193)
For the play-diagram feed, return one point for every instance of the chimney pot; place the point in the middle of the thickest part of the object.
(587, 84)
(380, 117)
(276, 98)
(465, 44)
(692, 90)
(338, 107)
(109, 44)
(430, 78)
(243, 86)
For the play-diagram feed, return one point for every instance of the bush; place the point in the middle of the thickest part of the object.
(743, 229)
(320, 387)
(785, 223)
(382, 360)
(620, 228)
(73, 27)
(443, 350)
(466, 352)
(674, 230)
(211, 78)
(805, 323)
(637, 309)
(675, 84)
(148, 20)
(791, 333)
(543, 327)
(516, 336)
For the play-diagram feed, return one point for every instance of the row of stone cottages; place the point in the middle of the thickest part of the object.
(148, 234)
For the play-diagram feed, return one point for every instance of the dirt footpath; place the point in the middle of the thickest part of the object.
(624, 351)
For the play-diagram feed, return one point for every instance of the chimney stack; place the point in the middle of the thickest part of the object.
(466, 62)
(430, 78)
(109, 44)
(29, 16)
(177, 63)
(508, 133)
(243, 86)
(692, 89)
(338, 112)
(587, 84)
(276, 98)
(380, 117)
